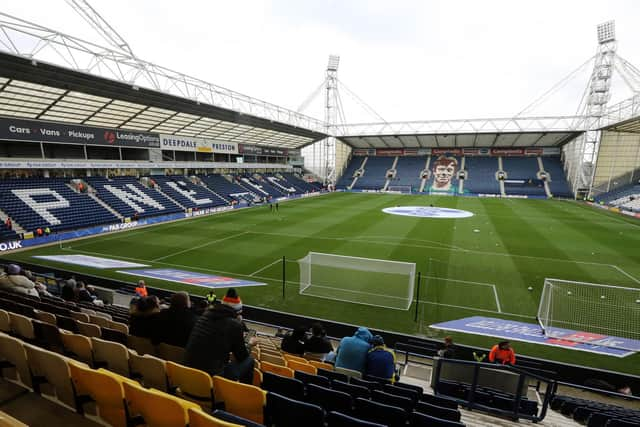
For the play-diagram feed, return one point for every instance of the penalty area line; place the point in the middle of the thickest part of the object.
(625, 273)
(265, 267)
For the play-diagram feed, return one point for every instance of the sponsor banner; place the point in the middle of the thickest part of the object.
(454, 151)
(507, 152)
(191, 278)
(10, 164)
(185, 143)
(364, 152)
(262, 151)
(533, 151)
(532, 333)
(424, 152)
(410, 151)
(551, 151)
(90, 261)
(9, 246)
(427, 212)
(476, 151)
(389, 152)
(38, 131)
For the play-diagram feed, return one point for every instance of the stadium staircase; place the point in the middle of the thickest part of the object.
(423, 181)
(393, 171)
(463, 163)
(541, 171)
(558, 185)
(356, 177)
(17, 228)
(374, 177)
(500, 181)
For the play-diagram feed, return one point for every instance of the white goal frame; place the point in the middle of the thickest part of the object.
(404, 189)
(306, 280)
(592, 308)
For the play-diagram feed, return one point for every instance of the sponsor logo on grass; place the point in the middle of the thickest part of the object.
(90, 261)
(192, 278)
(427, 212)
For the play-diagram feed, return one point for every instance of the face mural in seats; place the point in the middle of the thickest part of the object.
(444, 170)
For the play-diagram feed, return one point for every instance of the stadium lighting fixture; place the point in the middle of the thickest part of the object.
(334, 60)
(606, 32)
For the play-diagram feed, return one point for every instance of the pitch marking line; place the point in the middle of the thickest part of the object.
(625, 273)
(491, 285)
(199, 246)
(265, 267)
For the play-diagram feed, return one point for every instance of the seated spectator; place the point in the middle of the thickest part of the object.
(352, 351)
(143, 319)
(295, 341)
(503, 354)
(381, 360)
(447, 349)
(68, 293)
(218, 333)
(85, 295)
(18, 283)
(318, 343)
(141, 289)
(174, 324)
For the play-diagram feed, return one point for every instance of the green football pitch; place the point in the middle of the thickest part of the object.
(482, 265)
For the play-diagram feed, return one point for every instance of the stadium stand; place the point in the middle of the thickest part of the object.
(374, 173)
(301, 185)
(266, 185)
(557, 179)
(595, 414)
(188, 194)
(229, 188)
(347, 177)
(6, 234)
(408, 172)
(481, 178)
(127, 196)
(522, 176)
(50, 202)
(626, 197)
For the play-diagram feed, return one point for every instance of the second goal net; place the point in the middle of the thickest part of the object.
(587, 312)
(404, 189)
(367, 281)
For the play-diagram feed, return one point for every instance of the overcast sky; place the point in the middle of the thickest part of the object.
(409, 60)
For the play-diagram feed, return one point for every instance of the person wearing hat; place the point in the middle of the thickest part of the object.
(381, 360)
(503, 354)
(218, 333)
(352, 351)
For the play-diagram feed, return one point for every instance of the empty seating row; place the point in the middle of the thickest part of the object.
(188, 194)
(595, 414)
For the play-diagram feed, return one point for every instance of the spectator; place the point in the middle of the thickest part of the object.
(39, 232)
(217, 333)
(295, 341)
(8, 223)
(502, 353)
(143, 319)
(318, 343)
(381, 360)
(47, 231)
(174, 324)
(447, 349)
(68, 293)
(18, 283)
(211, 298)
(141, 289)
(352, 351)
(83, 294)
(72, 282)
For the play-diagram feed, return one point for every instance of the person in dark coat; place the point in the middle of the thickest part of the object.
(318, 343)
(295, 341)
(174, 324)
(143, 318)
(216, 334)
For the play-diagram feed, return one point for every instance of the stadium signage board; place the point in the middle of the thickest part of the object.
(200, 145)
(191, 278)
(427, 212)
(491, 152)
(39, 131)
(90, 261)
(262, 151)
(9, 246)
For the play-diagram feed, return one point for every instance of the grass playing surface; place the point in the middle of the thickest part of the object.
(465, 272)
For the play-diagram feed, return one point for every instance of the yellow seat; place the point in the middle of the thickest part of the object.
(83, 317)
(7, 420)
(112, 355)
(119, 326)
(103, 388)
(22, 326)
(157, 408)
(141, 345)
(276, 369)
(348, 372)
(321, 365)
(257, 377)
(5, 321)
(89, 329)
(288, 357)
(170, 353)
(150, 370)
(79, 346)
(244, 400)
(51, 372)
(191, 384)
(198, 418)
(276, 360)
(13, 353)
(45, 316)
(302, 366)
(99, 320)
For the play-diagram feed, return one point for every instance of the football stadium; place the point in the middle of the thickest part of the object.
(171, 249)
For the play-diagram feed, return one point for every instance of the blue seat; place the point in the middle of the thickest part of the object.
(392, 400)
(289, 387)
(438, 411)
(353, 390)
(332, 375)
(370, 410)
(329, 400)
(338, 419)
(285, 412)
(308, 378)
(422, 420)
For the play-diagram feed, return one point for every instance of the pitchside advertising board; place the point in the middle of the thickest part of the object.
(39, 131)
(256, 150)
(489, 152)
(200, 145)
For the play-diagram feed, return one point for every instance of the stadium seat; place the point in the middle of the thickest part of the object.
(156, 408)
(266, 356)
(392, 400)
(308, 378)
(371, 385)
(338, 419)
(235, 419)
(289, 387)
(13, 361)
(422, 420)
(257, 376)
(22, 326)
(5, 321)
(170, 353)
(401, 391)
(51, 369)
(141, 345)
(276, 369)
(191, 384)
(304, 367)
(246, 401)
(332, 375)
(78, 347)
(149, 370)
(348, 372)
(353, 390)
(288, 357)
(369, 410)
(46, 317)
(110, 355)
(197, 418)
(286, 412)
(114, 335)
(321, 365)
(437, 411)
(329, 400)
(83, 317)
(47, 336)
(439, 401)
(67, 323)
(89, 329)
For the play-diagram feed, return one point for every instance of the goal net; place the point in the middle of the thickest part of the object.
(583, 312)
(405, 189)
(359, 280)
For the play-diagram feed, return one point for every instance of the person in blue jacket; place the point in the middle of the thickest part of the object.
(381, 360)
(352, 351)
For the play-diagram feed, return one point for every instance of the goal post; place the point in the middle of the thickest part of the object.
(589, 312)
(368, 281)
(404, 189)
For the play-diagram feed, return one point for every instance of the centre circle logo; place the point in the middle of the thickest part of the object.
(427, 212)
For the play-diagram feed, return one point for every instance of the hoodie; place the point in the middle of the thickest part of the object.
(352, 352)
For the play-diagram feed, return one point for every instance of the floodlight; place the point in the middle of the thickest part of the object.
(607, 32)
(334, 60)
